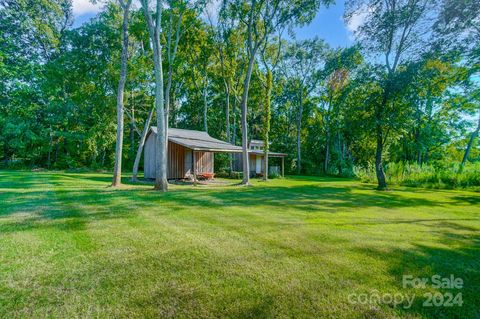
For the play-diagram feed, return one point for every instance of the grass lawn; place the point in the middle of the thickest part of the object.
(298, 247)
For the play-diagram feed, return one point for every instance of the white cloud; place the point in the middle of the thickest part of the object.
(85, 6)
(211, 11)
(357, 19)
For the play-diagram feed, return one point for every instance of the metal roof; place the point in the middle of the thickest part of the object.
(198, 141)
(270, 154)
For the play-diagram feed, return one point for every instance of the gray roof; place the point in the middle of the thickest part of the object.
(257, 142)
(198, 141)
(270, 154)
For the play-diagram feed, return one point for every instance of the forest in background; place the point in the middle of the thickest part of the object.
(405, 98)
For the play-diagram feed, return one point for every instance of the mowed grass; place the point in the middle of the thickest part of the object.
(70, 246)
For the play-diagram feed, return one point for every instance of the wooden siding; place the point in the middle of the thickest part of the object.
(180, 161)
(252, 159)
(149, 157)
(204, 162)
(176, 161)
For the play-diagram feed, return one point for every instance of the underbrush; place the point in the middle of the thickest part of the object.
(438, 175)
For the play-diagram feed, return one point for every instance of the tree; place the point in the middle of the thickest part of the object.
(270, 56)
(262, 18)
(470, 142)
(458, 29)
(154, 30)
(338, 68)
(301, 65)
(229, 53)
(176, 12)
(117, 171)
(395, 30)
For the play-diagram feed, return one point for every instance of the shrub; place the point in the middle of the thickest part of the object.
(437, 175)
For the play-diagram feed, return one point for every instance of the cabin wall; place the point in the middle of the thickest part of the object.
(204, 162)
(176, 161)
(252, 161)
(149, 157)
(180, 160)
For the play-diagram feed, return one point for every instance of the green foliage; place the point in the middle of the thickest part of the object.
(58, 88)
(437, 175)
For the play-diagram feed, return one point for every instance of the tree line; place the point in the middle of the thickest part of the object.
(406, 91)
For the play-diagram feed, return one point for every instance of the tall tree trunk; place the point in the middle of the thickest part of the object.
(171, 54)
(299, 132)
(266, 125)
(50, 145)
(327, 152)
(418, 135)
(243, 107)
(382, 182)
(234, 121)
(132, 129)
(117, 171)
(154, 31)
(327, 135)
(141, 143)
(161, 141)
(167, 94)
(205, 105)
(55, 154)
(429, 110)
(227, 122)
(470, 143)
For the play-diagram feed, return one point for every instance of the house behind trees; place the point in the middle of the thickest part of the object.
(191, 153)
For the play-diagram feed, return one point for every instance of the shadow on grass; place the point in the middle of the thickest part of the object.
(67, 202)
(71, 204)
(453, 255)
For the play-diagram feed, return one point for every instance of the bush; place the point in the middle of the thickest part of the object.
(232, 175)
(438, 175)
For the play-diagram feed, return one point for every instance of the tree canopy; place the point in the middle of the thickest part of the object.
(398, 94)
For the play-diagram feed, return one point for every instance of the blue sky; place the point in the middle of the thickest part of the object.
(327, 25)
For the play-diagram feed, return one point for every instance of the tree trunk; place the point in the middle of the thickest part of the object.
(50, 145)
(167, 96)
(161, 141)
(418, 135)
(141, 143)
(132, 129)
(154, 31)
(55, 154)
(243, 107)
(227, 122)
(327, 153)
(266, 125)
(117, 171)
(171, 54)
(470, 143)
(382, 183)
(327, 136)
(299, 131)
(205, 106)
(234, 121)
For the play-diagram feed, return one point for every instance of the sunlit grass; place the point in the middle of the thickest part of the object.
(70, 246)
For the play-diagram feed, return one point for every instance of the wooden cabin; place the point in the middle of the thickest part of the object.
(256, 159)
(189, 152)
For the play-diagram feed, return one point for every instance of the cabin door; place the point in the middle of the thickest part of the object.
(258, 164)
(188, 162)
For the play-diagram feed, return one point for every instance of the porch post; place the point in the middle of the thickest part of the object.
(283, 166)
(194, 163)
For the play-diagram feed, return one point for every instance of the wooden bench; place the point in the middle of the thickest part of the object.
(205, 176)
